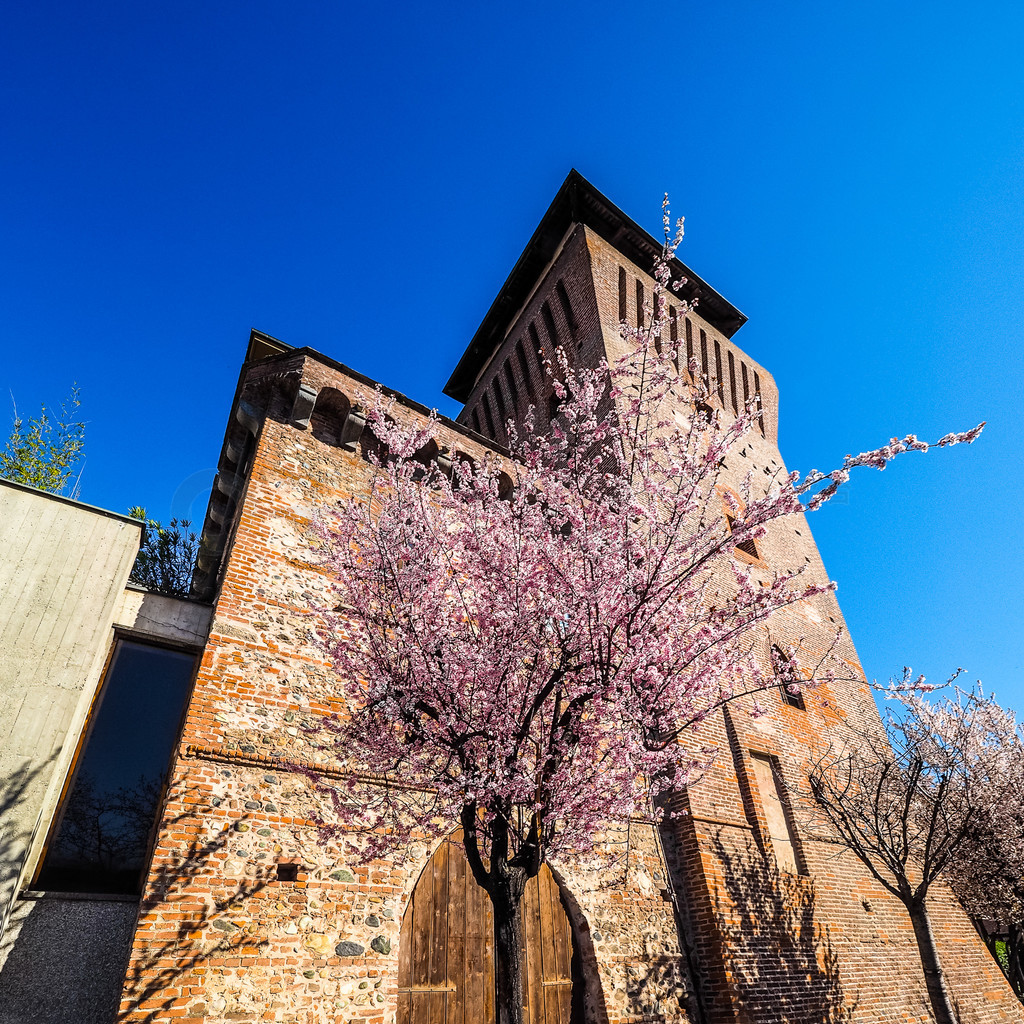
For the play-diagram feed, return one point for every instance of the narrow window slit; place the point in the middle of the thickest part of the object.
(549, 325)
(538, 349)
(757, 400)
(487, 415)
(510, 380)
(499, 400)
(524, 366)
(570, 317)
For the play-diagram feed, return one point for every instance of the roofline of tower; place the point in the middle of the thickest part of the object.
(265, 346)
(578, 202)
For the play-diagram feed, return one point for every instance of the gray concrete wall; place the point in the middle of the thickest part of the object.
(63, 569)
(62, 960)
(163, 618)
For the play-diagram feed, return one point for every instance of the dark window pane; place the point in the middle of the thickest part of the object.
(103, 838)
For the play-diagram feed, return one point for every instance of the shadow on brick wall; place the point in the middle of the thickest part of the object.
(588, 1003)
(783, 967)
(175, 891)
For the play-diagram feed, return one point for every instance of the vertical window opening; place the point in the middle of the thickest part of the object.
(781, 834)
(732, 383)
(719, 382)
(704, 360)
(524, 367)
(103, 835)
(639, 303)
(746, 385)
(689, 343)
(553, 405)
(487, 415)
(673, 334)
(510, 380)
(570, 317)
(549, 325)
(622, 294)
(789, 676)
(757, 400)
(538, 348)
(499, 401)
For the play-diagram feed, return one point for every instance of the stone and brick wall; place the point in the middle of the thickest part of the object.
(224, 934)
(249, 915)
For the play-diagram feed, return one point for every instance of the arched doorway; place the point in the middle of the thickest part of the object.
(446, 949)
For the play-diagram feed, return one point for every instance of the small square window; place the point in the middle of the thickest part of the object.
(287, 871)
(788, 674)
(748, 547)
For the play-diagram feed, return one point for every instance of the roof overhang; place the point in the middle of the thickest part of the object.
(578, 202)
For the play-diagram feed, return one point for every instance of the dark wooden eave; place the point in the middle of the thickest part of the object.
(578, 202)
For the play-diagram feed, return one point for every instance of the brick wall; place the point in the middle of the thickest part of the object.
(701, 922)
(220, 937)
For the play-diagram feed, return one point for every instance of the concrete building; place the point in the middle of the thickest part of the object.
(731, 913)
(80, 648)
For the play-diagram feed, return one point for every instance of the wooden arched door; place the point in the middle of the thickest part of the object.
(446, 949)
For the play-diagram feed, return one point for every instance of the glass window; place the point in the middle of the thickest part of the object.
(102, 839)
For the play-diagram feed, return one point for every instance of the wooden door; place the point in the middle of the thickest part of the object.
(446, 949)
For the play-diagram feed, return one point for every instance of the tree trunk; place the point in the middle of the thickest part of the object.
(505, 884)
(509, 954)
(1015, 959)
(934, 979)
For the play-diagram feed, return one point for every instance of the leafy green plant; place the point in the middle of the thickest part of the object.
(44, 452)
(167, 558)
(1001, 955)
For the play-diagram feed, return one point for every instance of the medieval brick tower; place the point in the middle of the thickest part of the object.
(732, 912)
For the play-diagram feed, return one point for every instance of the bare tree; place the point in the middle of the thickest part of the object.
(913, 801)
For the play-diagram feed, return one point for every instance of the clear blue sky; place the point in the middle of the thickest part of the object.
(361, 180)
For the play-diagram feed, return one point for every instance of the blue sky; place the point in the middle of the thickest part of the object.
(362, 181)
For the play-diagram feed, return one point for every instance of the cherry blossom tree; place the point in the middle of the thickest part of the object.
(938, 795)
(525, 645)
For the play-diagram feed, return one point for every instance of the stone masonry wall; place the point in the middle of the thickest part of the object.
(221, 937)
